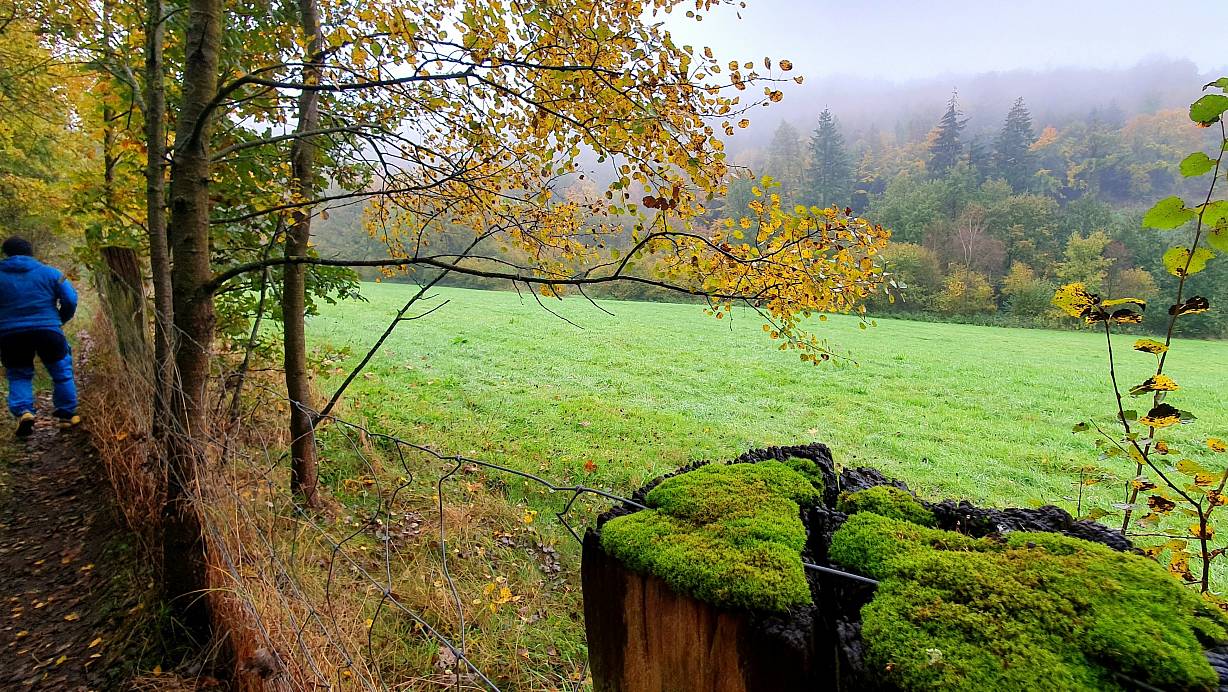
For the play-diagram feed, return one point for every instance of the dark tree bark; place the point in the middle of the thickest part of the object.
(155, 210)
(303, 473)
(123, 289)
(183, 541)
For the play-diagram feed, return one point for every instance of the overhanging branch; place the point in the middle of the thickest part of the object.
(446, 263)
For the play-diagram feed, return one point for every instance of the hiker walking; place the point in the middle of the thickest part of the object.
(35, 300)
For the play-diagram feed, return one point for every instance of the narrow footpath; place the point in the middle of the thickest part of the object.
(69, 576)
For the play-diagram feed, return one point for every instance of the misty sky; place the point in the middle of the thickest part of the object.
(909, 39)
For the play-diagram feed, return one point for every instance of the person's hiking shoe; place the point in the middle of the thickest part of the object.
(66, 422)
(25, 424)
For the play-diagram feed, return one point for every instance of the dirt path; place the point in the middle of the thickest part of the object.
(68, 572)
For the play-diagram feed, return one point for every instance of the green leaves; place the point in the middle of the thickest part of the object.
(1214, 213)
(1180, 262)
(1218, 238)
(1197, 164)
(1208, 109)
(1169, 213)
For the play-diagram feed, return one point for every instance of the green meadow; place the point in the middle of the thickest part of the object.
(611, 401)
(982, 413)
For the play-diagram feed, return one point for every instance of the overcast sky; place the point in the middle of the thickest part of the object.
(909, 39)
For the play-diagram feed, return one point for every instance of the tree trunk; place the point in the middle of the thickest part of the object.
(155, 211)
(303, 476)
(183, 541)
(123, 289)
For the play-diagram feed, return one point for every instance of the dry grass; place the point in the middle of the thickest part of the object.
(344, 597)
(116, 406)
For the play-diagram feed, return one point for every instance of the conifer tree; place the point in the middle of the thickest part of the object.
(784, 162)
(945, 149)
(1013, 159)
(829, 176)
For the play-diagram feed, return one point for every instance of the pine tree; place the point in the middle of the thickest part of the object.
(829, 177)
(980, 158)
(1013, 159)
(784, 162)
(945, 147)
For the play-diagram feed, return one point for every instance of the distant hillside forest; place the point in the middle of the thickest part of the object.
(986, 223)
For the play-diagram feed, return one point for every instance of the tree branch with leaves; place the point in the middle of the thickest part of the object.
(1186, 487)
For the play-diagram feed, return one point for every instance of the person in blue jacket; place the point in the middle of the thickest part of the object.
(35, 301)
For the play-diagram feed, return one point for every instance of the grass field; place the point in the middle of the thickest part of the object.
(982, 413)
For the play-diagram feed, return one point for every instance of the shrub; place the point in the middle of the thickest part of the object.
(916, 271)
(1026, 295)
(966, 292)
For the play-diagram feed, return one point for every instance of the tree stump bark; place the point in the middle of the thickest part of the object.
(644, 637)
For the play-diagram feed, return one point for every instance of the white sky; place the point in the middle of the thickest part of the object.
(910, 39)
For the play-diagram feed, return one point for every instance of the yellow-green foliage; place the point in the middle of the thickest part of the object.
(1036, 611)
(730, 535)
(887, 501)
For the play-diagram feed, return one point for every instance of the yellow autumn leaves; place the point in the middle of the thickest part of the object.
(1075, 300)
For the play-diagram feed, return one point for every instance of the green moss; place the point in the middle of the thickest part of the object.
(888, 501)
(1036, 611)
(809, 469)
(730, 535)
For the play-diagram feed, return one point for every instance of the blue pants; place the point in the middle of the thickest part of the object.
(17, 351)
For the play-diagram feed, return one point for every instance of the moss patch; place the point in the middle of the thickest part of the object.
(888, 501)
(730, 535)
(1037, 611)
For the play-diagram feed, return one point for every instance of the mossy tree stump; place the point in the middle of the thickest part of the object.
(700, 586)
(645, 637)
(706, 590)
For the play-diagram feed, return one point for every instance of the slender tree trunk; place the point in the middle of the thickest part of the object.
(184, 544)
(95, 236)
(123, 290)
(303, 475)
(155, 211)
(240, 376)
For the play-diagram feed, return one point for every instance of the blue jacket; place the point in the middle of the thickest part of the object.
(33, 295)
